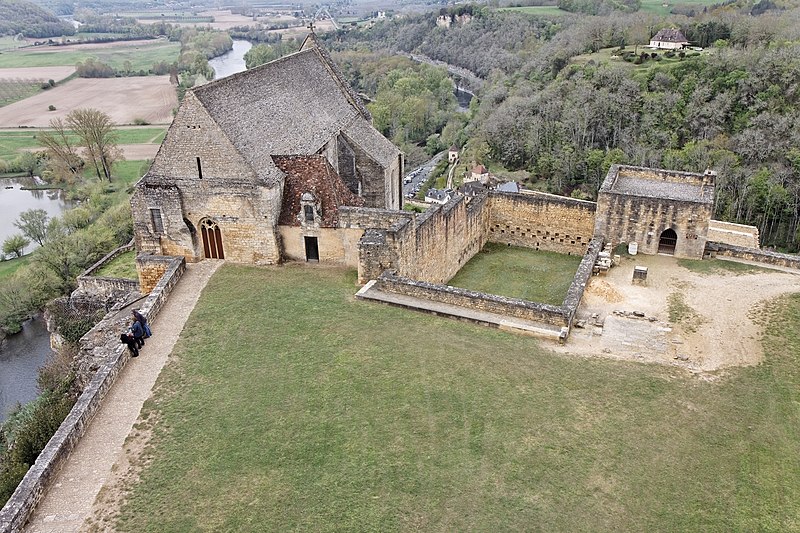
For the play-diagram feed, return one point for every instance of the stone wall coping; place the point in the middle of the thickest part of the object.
(755, 254)
(582, 275)
(108, 257)
(555, 198)
(391, 276)
(58, 449)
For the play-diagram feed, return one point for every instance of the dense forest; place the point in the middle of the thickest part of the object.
(30, 20)
(567, 96)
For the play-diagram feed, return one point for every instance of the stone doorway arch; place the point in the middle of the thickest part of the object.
(667, 241)
(212, 239)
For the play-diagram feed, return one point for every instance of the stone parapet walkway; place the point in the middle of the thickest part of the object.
(68, 503)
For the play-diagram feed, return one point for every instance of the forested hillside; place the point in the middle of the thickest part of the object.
(568, 96)
(20, 16)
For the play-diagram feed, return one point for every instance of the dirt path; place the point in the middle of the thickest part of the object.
(68, 504)
(717, 322)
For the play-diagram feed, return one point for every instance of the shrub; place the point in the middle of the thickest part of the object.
(140, 121)
(51, 107)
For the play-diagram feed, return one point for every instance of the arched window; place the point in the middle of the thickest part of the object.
(666, 243)
(212, 239)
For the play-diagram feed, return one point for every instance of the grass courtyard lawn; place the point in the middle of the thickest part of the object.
(289, 406)
(13, 142)
(122, 266)
(141, 57)
(519, 272)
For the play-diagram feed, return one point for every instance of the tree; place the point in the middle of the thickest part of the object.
(62, 152)
(97, 135)
(15, 245)
(33, 225)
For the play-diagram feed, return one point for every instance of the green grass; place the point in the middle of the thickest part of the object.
(128, 172)
(122, 266)
(537, 10)
(7, 268)
(519, 272)
(141, 57)
(720, 266)
(14, 142)
(289, 406)
(661, 8)
(609, 56)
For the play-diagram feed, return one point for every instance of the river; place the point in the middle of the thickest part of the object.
(230, 62)
(21, 356)
(14, 200)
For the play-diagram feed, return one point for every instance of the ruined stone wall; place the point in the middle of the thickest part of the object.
(546, 315)
(627, 218)
(715, 249)
(373, 180)
(101, 345)
(363, 218)
(151, 269)
(541, 221)
(733, 234)
(105, 287)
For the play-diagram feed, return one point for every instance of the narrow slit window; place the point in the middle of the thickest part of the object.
(199, 169)
(158, 224)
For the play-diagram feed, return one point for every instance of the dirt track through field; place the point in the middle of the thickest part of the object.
(68, 504)
(151, 98)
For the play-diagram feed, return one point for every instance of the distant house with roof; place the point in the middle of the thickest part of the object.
(669, 39)
(256, 166)
(479, 173)
(438, 196)
(452, 154)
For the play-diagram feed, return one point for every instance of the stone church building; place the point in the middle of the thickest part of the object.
(255, 165)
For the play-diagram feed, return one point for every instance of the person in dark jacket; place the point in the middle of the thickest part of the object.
(139, 317)
(127, 339)
(138, 333)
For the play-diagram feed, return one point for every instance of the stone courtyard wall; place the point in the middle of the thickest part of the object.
(715, 249)
(541, 221)
(733, 234)
(101, 344)
(103, 286)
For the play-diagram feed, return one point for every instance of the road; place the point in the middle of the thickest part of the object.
(417, 177)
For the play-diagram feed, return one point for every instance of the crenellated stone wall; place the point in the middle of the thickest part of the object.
(541, 221)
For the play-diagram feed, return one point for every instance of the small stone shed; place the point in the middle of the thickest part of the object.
(663, 211)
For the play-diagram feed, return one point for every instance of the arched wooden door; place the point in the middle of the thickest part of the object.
(212, 239)
(666, 243)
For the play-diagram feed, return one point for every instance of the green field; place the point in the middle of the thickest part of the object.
(537, 10)
(537, 276)
(128, 172)
(12, 142)
(141, 57)
(12, 265)
(289, 406)
(122, 266)
(610, 56)
(662, 8)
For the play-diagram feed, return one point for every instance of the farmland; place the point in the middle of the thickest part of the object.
(151, 98)
(140, 54)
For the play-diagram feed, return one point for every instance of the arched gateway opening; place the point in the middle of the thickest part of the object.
(666, 243)
(212, 239)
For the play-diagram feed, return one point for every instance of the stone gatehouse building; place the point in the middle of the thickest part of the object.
(255, 166)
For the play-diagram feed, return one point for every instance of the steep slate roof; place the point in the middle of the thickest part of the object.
(314, 174)
(293, 105)
(669, 36)
(371, 141)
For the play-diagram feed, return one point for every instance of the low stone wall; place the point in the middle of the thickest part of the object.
(582, 275)
(36, 482)
(549, 315)
(733, 234)
(104, 287)
(753, 254)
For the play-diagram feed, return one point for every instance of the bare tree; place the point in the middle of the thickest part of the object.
(61, 149)
(97, 135)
